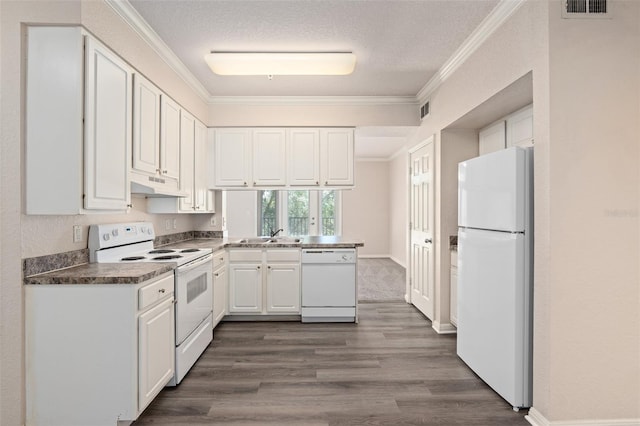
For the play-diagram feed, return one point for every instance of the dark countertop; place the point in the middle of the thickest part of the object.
(103, 273)
(135, 273)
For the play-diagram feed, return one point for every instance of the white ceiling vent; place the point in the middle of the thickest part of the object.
(424, 110)
(586, 9)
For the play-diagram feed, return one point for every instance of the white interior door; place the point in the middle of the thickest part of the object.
(421, 272)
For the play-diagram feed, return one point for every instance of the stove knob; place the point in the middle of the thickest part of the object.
(149, 231)
(143, 229)
(114, 232)
(106, 237)
(344, 257)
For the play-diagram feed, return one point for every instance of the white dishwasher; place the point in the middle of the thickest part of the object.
(329, 285)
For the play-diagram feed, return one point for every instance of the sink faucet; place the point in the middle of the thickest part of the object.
(273, 234)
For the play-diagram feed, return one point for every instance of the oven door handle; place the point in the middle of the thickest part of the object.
(195, 263)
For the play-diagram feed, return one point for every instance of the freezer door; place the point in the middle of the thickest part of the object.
(492, 191)
(494, 311)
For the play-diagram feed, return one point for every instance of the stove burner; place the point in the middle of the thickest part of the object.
(132, 258)
(192, 250)
(169, 257)
(158, 251)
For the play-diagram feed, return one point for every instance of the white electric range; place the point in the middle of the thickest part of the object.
(133, 243)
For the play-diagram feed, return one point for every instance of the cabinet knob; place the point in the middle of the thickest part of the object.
(164, 171)
(245, 184)
(159, 170)
(161, 291)
(326, 182)
(317, 183)
(268, 267)
(221, 259)
(216, 274)
(428, 240)
(129, 205)
(257, 267)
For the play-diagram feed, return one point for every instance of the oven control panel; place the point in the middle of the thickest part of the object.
(117, 234)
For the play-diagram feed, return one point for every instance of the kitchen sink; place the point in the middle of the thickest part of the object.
(271, 240)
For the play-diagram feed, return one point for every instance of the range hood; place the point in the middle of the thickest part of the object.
(155, 191)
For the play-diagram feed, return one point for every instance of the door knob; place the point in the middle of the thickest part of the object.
(428, 240)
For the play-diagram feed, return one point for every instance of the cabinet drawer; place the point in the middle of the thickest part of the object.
(275, 255)
(158, 290)
(219, 259)
(245, 256)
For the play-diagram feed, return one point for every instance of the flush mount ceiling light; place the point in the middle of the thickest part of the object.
(281, 63)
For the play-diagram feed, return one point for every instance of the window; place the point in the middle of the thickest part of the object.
(299, 212)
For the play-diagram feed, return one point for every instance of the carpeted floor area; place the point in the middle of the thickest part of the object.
(380, 280)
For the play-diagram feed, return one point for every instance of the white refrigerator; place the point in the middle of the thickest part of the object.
(495, 271)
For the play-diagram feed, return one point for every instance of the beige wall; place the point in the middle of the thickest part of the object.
(303, 114)
(365, 209)
(593, 298)
(399, 207)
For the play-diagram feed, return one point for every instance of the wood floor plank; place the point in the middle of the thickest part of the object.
(391, 368)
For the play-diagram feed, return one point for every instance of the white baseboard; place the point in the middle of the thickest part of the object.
(444, 328)
(398, 262)
(537, 419)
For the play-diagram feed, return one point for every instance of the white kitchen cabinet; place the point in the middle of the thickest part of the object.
(492, 138)
(232, 158)
(170, 139)
(107, 147)
(303, 157)
(336, 157)
(283, 287)
(264, 282)
(71, 168)
(156, 352)
(245, 287)
(146, 127)
(269, 157)
(283, 158)
(453, 289)
(220, 284)
(106, 358)
(193, 172)
(520, 127)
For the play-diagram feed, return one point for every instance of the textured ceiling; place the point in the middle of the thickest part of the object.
(399, 44)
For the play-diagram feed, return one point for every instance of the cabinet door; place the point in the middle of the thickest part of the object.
(245, 287)
(283, 288)
(520, 128)
(170, 139)
(187, 151)
(336, 155)
(108, 129)
(269, 157)
(200, 167)
(156, 351)
(303, 157)
(146, 126)
(232, 153)
(219, 294)
(492, 138)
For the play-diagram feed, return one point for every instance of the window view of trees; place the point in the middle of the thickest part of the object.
(307, 212)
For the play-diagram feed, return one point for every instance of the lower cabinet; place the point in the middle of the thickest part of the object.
(98, 353)
(264, 281)
(220, 284)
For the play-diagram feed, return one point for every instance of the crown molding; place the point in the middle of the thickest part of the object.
(314, 100)
(140, 26)
(488, 26)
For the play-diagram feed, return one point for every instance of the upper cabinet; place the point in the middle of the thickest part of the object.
(336, 157)
(520, 128)
(281, 158)
(71, 168)
(515, 129)
(232, 158)
(269, 157)
(156, 139)
(303, 157)
(193, 172)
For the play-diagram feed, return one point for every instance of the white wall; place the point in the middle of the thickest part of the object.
(399, 207)
(365, 209)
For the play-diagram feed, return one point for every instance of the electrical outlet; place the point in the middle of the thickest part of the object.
(77, 233)
(213, 221)
(167, 224)
(175, 223)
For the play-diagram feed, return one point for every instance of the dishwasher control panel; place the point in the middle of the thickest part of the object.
(328, 256)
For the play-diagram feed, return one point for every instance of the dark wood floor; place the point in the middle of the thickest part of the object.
(390, 369)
